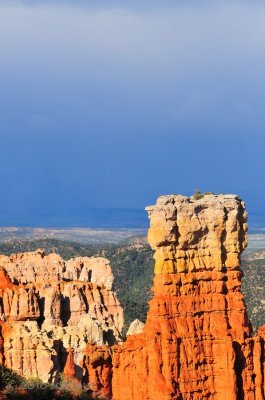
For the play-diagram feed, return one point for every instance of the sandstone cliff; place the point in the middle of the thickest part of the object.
(197, 324)
(196, 343)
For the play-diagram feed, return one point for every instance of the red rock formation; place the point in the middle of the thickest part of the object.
(69, 369)
(98, 368)
(5, 281)
(197, 322)
(196, 343)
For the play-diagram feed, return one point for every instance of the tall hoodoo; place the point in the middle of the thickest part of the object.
(196, 342)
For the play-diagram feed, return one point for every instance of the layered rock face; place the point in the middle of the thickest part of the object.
(196, 343)
(49, 306)
(186, 350)
(197, 235)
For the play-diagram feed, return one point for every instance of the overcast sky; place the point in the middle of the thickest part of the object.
(112, 103)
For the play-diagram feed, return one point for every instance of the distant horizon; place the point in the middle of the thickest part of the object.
(91, 218)
(100, 218)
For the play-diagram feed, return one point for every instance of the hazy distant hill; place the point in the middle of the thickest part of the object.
(78, 235)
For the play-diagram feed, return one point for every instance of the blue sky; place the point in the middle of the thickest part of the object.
(112, 103)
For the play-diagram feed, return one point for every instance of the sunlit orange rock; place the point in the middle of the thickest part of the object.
(5, 281)
(69, 369)
(196, 343)
(98, 370)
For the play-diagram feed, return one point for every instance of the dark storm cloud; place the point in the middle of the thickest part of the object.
(111, 105)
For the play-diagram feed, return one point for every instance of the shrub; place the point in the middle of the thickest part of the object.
(15, 387)
(9, 378)
(199, 195)
(39, 390)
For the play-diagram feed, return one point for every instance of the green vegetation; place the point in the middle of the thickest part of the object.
(253, 284)
(15, 387)
(133, 271)
(199, 195)
(9, 378)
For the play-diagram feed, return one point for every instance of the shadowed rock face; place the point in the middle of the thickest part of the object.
(196, 343)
